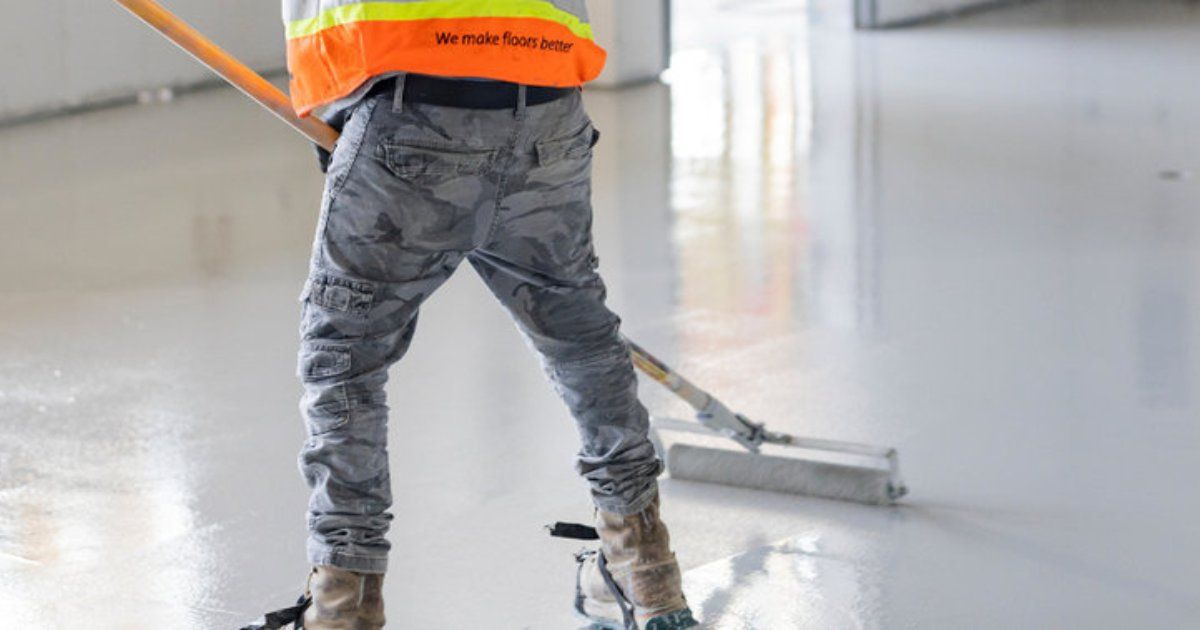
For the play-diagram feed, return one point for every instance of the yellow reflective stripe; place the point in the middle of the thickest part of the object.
(437, 9)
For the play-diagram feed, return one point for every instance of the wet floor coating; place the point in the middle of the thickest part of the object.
(976, 242)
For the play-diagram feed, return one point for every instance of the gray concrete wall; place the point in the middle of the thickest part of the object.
(74, 53)
(60, 54)
(890, 13)
(635, 34)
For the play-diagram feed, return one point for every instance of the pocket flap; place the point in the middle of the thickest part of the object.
(414, 159)
(572, 147)
(323, 360)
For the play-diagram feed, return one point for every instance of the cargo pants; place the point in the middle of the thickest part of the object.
(412, 190)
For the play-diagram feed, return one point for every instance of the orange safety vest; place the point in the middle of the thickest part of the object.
(334, 46)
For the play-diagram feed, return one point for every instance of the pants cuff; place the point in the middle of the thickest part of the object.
(348, 561)
(625, 507)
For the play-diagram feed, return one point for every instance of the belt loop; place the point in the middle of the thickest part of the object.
(398, 96)
(521, 93)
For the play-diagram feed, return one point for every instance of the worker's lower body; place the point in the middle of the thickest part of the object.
(412, 190)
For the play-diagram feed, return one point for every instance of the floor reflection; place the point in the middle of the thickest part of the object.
(85, 505)
(740, 124)
(976, 242)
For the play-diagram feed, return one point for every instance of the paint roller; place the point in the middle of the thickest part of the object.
(796, 465)
(823, 468)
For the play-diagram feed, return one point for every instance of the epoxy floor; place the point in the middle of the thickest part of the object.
(977, 241)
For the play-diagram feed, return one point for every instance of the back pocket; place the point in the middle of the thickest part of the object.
(416, 160)
(573, 147)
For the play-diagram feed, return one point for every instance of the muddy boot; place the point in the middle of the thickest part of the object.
(633, 581)
(344, 600)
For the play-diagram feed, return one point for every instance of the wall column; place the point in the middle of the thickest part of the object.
(636, 35)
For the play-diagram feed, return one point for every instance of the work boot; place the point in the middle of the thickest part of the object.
(371, 616)
(633, 581)
(344, 600)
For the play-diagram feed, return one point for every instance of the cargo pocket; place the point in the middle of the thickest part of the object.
(343, 295)
(326, 410)
(319, 361)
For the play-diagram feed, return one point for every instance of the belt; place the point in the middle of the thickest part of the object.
(468, 94)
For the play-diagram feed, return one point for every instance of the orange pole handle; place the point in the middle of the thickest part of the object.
(227, 67)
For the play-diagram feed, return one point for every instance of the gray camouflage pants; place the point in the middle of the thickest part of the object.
(412, 191)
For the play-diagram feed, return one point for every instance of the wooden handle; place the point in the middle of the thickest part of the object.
(230, 69)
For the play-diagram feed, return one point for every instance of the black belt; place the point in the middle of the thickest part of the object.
(467, 94)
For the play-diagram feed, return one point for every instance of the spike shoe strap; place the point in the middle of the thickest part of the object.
(678, 620)
(279, 619)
